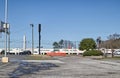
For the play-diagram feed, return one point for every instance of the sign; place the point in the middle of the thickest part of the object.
(39, 28)
(1, 26)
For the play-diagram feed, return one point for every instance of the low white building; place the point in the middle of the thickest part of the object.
(44, 51)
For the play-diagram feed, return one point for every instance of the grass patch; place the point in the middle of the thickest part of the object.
(38, 57)
(110, 58)
(114, 58)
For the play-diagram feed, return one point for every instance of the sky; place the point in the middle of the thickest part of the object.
(62, 19)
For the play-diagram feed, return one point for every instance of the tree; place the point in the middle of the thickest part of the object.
(55, 45)
(58, 44)
(114, 36)
(61, 43)
(87, 44)
(113, 42)
(98, 40)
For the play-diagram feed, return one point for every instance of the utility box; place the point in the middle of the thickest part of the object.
(5, 59)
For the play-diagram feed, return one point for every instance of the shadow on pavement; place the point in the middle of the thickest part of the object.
(30, 68)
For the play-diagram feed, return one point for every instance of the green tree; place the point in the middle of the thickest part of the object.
(87, 44)
(61, 43)
(56, 45)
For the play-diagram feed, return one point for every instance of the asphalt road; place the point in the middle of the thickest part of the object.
(62, 67)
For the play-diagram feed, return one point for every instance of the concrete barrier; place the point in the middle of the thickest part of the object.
(5, 59)
(56, 54)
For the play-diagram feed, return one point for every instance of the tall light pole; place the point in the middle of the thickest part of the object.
(32, 37)
(6, 27)
(39, 30)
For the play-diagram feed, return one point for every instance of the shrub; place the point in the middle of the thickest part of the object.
(92, 53)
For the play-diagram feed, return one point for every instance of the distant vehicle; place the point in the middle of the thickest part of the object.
(117, 52)
(27, 52)
(2, 52)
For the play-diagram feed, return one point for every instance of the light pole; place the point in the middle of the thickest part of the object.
(6, 27)
(39, 31)
(32, 37)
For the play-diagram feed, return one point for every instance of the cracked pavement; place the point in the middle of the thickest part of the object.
(62, 67)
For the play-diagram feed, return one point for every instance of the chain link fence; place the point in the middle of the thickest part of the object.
(18, 43)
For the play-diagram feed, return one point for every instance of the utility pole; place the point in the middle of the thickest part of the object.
(39, 31)
(6, 27)
(32, 37)
(24, 42)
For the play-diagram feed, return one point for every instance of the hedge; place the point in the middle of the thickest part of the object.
(92, 53)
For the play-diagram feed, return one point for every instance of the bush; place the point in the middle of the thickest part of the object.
(93, 53)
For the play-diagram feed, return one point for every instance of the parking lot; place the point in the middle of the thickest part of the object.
(60, 67)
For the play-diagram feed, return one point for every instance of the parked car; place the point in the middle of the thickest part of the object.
(2, 52)
(27, 52)
(117, 52)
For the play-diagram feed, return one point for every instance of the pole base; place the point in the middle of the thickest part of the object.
(5, 59)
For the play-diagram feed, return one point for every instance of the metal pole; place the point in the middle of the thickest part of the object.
(9, 40)
(39, 30)
(5, 39)
(32, 37)
(24, 42)
(6, 10)
(6, 15)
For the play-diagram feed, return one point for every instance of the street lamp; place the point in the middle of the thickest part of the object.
(6, 27)
(32, 37)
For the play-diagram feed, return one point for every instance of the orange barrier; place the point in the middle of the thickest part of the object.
(56, 54)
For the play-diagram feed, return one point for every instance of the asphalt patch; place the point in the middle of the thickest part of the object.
(25, 68)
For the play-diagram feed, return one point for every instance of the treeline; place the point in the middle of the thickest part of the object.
(113, 42)
(66, 44)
